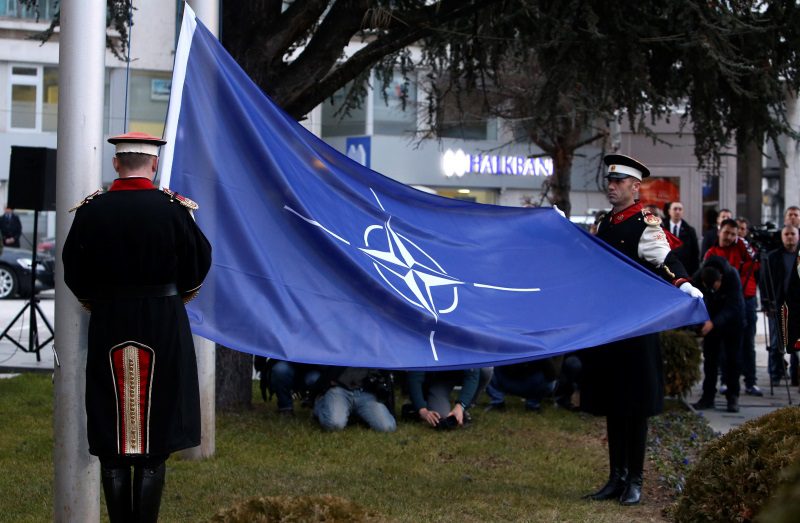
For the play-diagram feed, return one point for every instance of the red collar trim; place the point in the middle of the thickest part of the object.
(131, 184)
(624, 214)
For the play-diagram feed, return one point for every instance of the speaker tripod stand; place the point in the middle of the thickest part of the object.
(31, 306)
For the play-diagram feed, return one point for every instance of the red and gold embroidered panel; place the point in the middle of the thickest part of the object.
(132, 368)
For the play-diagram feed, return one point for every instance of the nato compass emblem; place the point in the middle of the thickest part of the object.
(408, 270)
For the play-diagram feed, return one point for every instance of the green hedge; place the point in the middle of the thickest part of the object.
(681, 354)
(739, 472)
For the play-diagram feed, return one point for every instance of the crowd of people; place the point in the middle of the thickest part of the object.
(765, 266)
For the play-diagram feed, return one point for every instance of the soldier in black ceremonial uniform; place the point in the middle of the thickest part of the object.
(133, 257)
(623, 380)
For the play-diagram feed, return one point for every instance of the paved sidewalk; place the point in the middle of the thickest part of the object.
(12, 358)
(750, 406)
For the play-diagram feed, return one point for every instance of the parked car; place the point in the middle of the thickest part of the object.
(15, 272)
(47, 246)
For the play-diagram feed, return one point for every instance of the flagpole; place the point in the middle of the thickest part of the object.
(76, 489)
(208, 12)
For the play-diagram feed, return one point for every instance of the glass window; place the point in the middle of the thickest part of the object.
(470, 195)
(23, 106)
(338, 122)
(34, 98)
(710, 199)
(50, 99)
(106, 103)
(395, 110)
(148, 97)
(659, 190)
(43, 10)
(465, 118)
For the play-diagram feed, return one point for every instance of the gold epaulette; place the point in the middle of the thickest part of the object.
(86, 200)
(650, 218)
(183, 200)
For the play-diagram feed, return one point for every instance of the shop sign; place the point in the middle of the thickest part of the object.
(458, 163)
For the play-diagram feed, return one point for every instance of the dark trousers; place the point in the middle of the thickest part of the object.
(287, 377)
(133, 497)
(777, 352)
(627, 442)
(718, 340)
(749, 342)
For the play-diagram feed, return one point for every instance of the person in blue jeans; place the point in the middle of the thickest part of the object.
(347, 391)
(430, 394)
(287, 378)
(533, 381)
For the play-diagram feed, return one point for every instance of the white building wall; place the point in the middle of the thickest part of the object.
(152, 50)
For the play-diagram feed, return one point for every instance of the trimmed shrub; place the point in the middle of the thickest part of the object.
(284, 509)
(738, 473)
(681, 354)
(784, 507)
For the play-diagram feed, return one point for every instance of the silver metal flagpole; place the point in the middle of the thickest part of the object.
(79, 172)
(207, 11)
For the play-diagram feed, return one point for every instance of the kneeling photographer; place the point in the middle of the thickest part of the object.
(343, 391)
(430, 396)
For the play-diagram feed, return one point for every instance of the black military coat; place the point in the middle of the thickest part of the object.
(132, 256)
(689, 252)
(625, 378)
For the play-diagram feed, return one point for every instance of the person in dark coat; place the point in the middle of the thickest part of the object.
(10, 228)
(623, 380)
(790, 314)
(689, 252)
(776, 276)
(722, 288)
(133, 256)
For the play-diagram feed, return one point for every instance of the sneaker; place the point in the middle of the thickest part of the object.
(753, 391)
(703, 404)
(723, 389)
(733, 404)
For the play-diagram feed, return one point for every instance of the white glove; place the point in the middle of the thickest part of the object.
(691, 290)
(559, 211)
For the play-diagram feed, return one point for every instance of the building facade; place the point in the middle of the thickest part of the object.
(135, 98)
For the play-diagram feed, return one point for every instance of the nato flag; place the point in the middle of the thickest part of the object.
(319, 259)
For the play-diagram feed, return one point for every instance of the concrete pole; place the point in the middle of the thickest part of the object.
(79, 170)
(207, 11)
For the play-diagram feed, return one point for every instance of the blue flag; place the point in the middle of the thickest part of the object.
(319, 259)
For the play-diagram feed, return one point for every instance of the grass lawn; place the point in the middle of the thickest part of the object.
(507, 466)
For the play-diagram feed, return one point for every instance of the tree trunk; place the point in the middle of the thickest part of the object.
(234, 379)
(561, 181)
(749, 172)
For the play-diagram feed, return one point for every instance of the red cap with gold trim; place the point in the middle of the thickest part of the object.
(136, 142)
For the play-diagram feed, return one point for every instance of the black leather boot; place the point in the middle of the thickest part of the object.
(117, 489)
(148, 483)
(618, 471)
(637, 445)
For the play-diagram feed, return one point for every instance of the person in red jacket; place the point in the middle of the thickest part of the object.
(744, 258)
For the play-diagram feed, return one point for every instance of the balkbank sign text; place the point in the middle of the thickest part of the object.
(458, 163)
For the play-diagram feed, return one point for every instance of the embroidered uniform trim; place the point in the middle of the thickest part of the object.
(86, 200)
(132, 366)
(183, 200)
(131, 406)
(190, 294)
